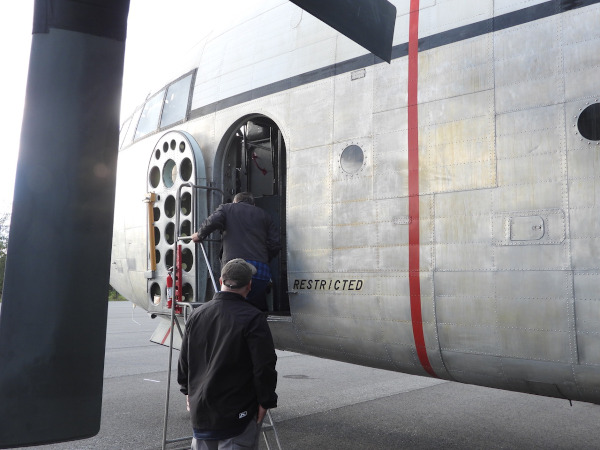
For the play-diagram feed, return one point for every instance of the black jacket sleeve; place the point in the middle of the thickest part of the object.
(182, 366)
(262, 353)
(216, 221)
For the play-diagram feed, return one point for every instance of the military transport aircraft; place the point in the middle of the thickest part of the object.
(438, 214)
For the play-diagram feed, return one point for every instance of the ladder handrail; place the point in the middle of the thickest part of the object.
(175, 302)
(194, 187)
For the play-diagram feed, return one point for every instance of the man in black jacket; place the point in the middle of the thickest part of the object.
(227, 365)
(248, 233)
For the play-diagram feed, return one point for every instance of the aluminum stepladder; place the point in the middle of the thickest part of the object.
(188, 309)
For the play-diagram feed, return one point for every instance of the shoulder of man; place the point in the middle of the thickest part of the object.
(201, 310)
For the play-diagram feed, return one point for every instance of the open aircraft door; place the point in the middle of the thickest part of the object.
(176, 208)
(253, 160)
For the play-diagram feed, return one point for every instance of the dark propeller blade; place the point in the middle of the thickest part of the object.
(369, 23)
(53, 319)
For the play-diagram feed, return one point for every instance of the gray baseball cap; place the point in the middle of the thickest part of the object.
(237, 273)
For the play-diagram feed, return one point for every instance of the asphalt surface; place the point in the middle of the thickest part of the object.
(332, 405)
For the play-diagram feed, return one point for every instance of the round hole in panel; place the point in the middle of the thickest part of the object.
(156, 213)
(186, 228)
(187, 293)
(170, 233)
(588, 123)
(173, 144)
(154, 177)
(186, 203)
(155, 293)
(165, 147)
(187, 259)
(182, 146)
(169, 173)
(157, 154)
(170, 206)
(352, 159)
(156, 235)
(157, 256)
(169, 259)
(186, 169)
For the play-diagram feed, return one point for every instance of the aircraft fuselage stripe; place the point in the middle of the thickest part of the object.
(414, 246)
(508, 20)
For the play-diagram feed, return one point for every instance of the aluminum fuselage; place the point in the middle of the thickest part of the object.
(461, 239)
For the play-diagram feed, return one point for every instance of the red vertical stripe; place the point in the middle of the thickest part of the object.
(413, 188)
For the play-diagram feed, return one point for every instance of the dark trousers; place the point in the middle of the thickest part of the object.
(247, 440)
(258, 294)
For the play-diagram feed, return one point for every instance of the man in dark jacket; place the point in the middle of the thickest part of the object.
(248, 233)
(227, 365)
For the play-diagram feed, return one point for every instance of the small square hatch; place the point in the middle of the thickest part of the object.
(526, 228)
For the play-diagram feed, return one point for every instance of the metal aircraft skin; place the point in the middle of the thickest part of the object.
(438, 214)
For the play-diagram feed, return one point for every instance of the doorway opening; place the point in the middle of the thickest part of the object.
(252, 156)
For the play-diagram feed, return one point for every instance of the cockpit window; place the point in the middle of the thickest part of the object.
(123, 132)
(176, 102)
(150, 114)
(131, 130)
(159, 112)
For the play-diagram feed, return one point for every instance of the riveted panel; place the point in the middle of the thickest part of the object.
(463, 257)
(463, 229)
(393, 233)
(395, 308)
(532, 257)
(307, 216)
(544, 345)
(310, 238)
(586, 253)
(354, 236)
(456, 204)
(581, 39)
(538, 227)
(353, 106)
(386, 86)
(398, 332)
(456, 69)
(457, 145)
(318, 125)
(468, 338)
(588, 315)
(524, 197)
(540, 371)
(468, 311)
(350, 214)
(302, 260)
(548, 313)
(467, 366)
(355, 258)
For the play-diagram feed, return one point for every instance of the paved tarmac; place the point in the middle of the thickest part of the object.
(332, 405)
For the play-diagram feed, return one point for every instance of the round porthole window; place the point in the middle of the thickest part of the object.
(154, 176)
(169, 173)
(588, 123)
(352, 159)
